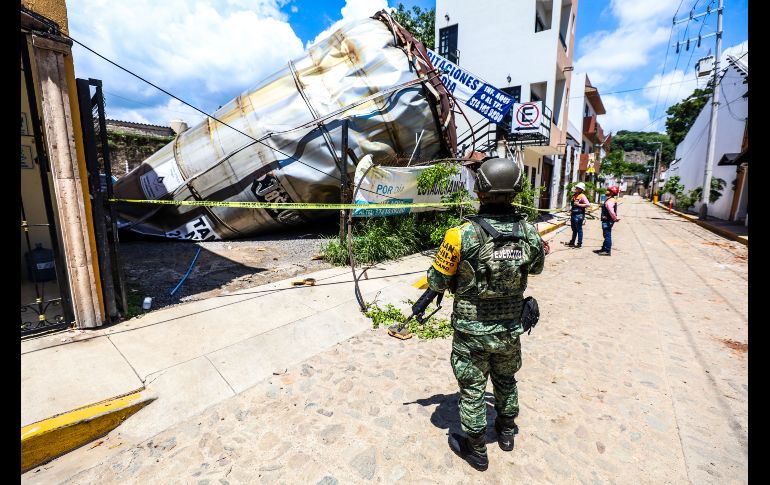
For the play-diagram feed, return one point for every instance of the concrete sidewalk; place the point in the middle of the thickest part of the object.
(194, 355)
(730, 230)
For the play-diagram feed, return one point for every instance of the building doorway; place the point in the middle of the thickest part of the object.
(545, 184)
(45, 296)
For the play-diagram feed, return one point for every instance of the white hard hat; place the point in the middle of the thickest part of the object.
(580, 185)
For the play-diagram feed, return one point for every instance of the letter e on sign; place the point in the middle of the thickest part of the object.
(527, 115)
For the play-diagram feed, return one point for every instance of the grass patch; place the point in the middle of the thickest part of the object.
(434, 327)
(135, 301)
(380, 239)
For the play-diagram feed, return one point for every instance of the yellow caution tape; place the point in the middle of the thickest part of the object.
(290, 205)
(306, 205)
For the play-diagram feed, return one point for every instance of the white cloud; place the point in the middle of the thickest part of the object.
(630, 12)
(611, 55)
(643, 28)
(672, 87)
(353, 10)
(160, 114)
(203, 54)
(624, 113)
(294, 9)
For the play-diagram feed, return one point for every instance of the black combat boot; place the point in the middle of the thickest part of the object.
(505, 428)
(472, 449)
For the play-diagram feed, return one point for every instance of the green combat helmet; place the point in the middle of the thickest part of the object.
(499, 176)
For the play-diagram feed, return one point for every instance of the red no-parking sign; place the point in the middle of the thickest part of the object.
(527, 116)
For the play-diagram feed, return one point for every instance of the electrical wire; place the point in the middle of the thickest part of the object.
(703, 23)
(706, 126)
(213, 117)
(679, 54)
(665, 59)
(727, 104)
(636, 89)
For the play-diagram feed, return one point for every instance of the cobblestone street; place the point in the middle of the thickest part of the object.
(645, 384)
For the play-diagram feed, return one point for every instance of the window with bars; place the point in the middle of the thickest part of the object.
(447, 43)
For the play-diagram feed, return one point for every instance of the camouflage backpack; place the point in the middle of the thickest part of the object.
(487, 285)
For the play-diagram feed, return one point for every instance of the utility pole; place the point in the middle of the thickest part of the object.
(703, 212)
(658, 153)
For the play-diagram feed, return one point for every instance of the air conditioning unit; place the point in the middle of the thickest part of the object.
(705, 66)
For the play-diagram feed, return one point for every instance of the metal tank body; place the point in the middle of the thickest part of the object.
(211, 161)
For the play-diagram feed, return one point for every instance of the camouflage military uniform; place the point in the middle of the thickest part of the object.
(488, 283)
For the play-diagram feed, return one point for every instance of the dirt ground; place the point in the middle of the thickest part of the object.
(155, 267)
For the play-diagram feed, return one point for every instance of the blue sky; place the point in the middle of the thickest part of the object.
(208, 52)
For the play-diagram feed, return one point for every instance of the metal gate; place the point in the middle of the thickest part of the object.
(52, 307)
(97, 151)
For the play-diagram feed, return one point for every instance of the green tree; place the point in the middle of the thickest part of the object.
(420, 22)
(644, 141)
(717, 185)
(681, 115)
(613, 164)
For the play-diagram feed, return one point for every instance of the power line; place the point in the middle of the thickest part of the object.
(679, 53)
(145, 104)
(212, 117)
(703, 132)
(636, 89)
(665, 60)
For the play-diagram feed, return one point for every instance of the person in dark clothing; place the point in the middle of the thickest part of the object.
(579, 202)
(609, 218)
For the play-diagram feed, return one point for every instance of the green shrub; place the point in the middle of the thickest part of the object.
(434, 327)
(437, 176)
(527, 198)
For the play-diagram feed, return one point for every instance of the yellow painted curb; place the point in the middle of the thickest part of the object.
(422, 283)
(716, 230)
(53, 437)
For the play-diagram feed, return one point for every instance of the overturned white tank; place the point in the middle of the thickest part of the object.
(371, 72)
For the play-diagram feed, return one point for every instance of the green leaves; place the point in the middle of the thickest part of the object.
(643, 141)
(434, 327)
(673, 187)
(438, 176)
(683, 114)
(527, 198)
(421, 23)
(379, 239)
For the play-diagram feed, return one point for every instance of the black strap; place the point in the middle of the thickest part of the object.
(514, 235)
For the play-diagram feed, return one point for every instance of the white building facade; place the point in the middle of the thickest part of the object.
(585, 106)
(732, 117)
(525, 48)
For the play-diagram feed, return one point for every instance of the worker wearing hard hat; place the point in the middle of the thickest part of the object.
(609, 218)
(579, 202)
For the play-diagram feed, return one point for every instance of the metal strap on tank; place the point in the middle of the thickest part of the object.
(316, 115)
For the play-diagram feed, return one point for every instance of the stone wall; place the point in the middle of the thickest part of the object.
(132, 143)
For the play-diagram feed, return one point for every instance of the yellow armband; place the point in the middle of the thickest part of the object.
(448, 256)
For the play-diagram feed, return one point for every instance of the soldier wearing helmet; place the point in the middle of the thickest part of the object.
(485, 262)
(609, 218)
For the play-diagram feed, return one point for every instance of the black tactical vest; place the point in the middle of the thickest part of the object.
(606, 214)
(575, 209)
(490, 284)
